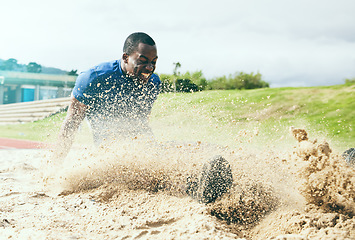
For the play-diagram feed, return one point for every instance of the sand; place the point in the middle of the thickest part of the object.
(136, 190)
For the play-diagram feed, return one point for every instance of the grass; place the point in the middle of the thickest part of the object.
(247, 117)
(233, 117)
(44, 130)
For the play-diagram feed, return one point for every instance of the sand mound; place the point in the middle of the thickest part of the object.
(324, 179)
(315, 224)
(245, 204)
(137, 190)
(327, 181)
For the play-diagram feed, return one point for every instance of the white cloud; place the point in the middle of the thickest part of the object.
(289, 42)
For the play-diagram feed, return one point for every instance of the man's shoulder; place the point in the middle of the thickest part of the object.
(106, 68)
(99, 72)
(155, 79)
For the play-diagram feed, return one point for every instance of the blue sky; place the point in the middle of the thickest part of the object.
(291, 43)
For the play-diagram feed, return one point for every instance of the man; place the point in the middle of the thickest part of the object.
(116, 97)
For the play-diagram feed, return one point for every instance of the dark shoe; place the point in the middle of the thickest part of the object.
(349, 156)
(215, 180)
(191, 186)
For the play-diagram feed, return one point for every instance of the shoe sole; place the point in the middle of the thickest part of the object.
(216, 179)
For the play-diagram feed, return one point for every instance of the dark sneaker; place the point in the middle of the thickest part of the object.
(349, 156)
(191, 186)
(216, 179)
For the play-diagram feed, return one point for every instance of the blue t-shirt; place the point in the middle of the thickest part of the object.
(118, 105)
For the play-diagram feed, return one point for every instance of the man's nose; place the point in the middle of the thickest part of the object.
(150, 67)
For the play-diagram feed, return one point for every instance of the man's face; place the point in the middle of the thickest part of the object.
(140, 65)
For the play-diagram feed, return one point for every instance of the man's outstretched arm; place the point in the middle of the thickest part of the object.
(75, 115)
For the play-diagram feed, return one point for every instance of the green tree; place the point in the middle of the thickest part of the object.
(176, 72)
(167, 82)
(238, 80)
(186, 82)
(73, 72)
(218, 83)
(177, 66)
(186, 85)
(197, 78)
(34, 67)
(9, 65)
(349, 81)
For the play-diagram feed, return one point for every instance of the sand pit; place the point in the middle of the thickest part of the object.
(136, 190)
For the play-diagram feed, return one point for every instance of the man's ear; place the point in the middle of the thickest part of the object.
(125, 58)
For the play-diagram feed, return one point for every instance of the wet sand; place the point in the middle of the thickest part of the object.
(136, 190)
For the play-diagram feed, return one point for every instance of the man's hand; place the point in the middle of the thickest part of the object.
(75, 115)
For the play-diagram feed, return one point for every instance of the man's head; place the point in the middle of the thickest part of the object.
(139, 56)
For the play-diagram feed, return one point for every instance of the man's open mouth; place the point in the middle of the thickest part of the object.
(145, 75)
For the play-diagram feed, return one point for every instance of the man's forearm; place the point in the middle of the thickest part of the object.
(76, 114)
(67, 135)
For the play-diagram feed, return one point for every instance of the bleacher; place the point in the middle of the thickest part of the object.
(31, 111)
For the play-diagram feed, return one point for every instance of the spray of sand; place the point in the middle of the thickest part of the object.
(135, 164)
(273, 193)
(328, 186)
(327, 181)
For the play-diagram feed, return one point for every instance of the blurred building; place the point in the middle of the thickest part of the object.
(24, 87)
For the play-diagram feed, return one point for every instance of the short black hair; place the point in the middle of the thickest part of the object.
(133, 40)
